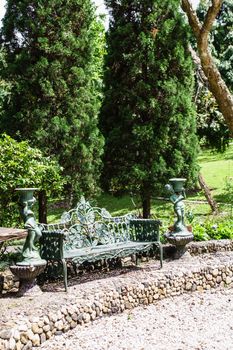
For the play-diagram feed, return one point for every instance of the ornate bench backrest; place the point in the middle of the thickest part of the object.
(51, 244)
(115, 229)
(83, 213)
(145, 230)
(88, 226)
(95, 226)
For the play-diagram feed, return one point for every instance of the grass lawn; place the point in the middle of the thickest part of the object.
(215, 168)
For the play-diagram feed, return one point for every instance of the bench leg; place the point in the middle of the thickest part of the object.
(106, 264)
(137, 260)
(74, 265)
(65, 274)
(161, 255)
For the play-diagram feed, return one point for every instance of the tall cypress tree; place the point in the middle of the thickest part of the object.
(148, 117)
(54, 52)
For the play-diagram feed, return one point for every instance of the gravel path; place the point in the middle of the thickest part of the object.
(200, 321)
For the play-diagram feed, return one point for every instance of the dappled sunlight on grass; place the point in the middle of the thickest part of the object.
(55, 210)
(116, 205)
(212, 156)
(215, 167)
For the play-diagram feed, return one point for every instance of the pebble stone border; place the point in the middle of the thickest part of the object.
(28, 333)
(212, 246)
(10, 283)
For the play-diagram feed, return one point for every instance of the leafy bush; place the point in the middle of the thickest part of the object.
(23, 166)
(199, 232)
(9, 259)
(228, 190)
(210, 230)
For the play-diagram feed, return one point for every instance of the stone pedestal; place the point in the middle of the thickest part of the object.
(180, 240)
(27, 276)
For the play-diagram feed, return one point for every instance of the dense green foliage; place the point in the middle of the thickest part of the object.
(54, 61)
(211, 125)
(148, 117)
(23, 166)
(4, 86)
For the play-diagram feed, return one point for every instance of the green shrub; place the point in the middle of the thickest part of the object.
(228, 191)
(199, 232)
(9, 259)
(213, 230)
(23, 166)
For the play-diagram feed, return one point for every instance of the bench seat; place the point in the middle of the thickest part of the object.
(115, 250)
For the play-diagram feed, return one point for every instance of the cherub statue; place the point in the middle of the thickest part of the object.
(30, 251)
(177, 199)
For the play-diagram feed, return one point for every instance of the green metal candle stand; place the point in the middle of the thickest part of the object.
(179, 234)
(31, 265)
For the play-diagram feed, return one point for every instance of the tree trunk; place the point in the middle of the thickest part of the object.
(146, 206)
(205, 188)
(42, 200)
(216, 84)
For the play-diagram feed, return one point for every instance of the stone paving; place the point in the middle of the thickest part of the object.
(29, 322)
(197, 321)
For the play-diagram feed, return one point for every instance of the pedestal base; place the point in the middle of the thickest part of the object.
(182, 253)
(27, 275)
(180, 240)
(28, 288)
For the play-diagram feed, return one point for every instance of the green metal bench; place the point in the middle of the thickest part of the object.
(88, 234)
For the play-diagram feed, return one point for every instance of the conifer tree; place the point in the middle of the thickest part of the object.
(148, 117)
(54, 60)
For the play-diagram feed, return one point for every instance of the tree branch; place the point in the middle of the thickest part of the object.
(197, 62)
(192, 17)
(208, 22)
(216, 84)
(211, 15)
